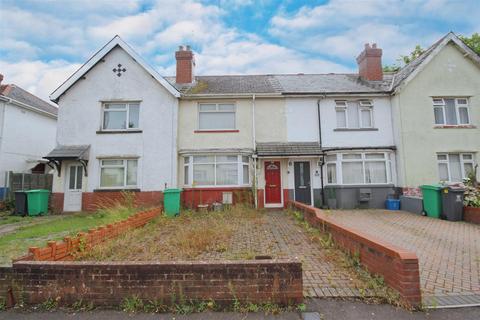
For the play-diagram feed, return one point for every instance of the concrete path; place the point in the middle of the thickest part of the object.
(448, 252)
(324, 309)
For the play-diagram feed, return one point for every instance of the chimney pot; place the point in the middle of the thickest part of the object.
(188, 47)
(370, 63)
(1, 78)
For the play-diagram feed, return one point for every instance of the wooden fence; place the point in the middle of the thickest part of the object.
(28, 181)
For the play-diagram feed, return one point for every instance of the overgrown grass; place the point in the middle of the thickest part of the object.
(16, 244)
(181, 238)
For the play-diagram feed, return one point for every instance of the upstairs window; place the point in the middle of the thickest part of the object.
(454, 167)
(216, 116)
(354, 114)
(451, 111)
(120, 116)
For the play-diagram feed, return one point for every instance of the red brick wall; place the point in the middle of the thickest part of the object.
(64, 250)
(109, 283)
(192, 197)
(397, 266)
(261, 198)
(471, 214)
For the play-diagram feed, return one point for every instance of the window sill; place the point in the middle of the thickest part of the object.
(116, 190)
(216, 131)
(462, 126)
(119, 131)
(355, 129)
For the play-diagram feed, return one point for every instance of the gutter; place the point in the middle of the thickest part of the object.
(28, 107)
(336, 94)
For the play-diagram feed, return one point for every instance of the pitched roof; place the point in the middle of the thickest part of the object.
(116, 41)
(16, 93)
(411, 69)
(282, 84)
(288, 149)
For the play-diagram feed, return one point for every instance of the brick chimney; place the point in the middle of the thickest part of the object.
(1, 78)
(185, 65)
(370, 63)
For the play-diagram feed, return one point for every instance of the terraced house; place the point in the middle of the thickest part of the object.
(342, 140)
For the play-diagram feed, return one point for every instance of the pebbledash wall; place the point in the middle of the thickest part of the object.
(109, 283)
(153, 145)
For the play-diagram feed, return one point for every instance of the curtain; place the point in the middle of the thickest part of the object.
(352, 172)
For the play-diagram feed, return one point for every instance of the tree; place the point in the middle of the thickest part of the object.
(473, 42)
(405, 59)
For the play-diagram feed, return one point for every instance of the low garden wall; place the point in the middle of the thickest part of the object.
(109, 283)
(471, 214)
(398, 267)
(66, 249)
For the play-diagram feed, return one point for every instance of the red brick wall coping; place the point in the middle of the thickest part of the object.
(109, 283)
(66, 249)
(398, 267)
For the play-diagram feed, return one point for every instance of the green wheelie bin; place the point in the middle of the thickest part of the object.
(37, 201)
(432, 200)
(171, 202)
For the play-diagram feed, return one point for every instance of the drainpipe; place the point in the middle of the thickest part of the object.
(255, 197)
(320, 142)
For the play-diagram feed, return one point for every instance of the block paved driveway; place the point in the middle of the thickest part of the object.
(448, 252)
(278, 235)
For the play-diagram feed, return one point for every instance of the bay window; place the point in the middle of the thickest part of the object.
(354, 114)
(120, 116)
(118, 173)
(359, 168)
(216, 170)
(216, 116)
(454, 167)
(451, 111)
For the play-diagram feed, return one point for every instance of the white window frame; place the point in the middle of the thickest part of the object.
(217, 111)
(462, 163)
(240, 163)
(127, 109)
(125, 173)
(440, 103)
(330, 162)
(339, 167)
(342, 105)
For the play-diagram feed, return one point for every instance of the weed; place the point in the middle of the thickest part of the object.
(302, 307)
(132, 304)
(50, 304)
(3, 304)
(81, 305)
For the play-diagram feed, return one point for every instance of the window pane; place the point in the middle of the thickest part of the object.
(450, 112)
(455, 168)
(353, 121)
(366, 118)
(185, 175)
(245, 159)
(462, 101)
(114, 119)
(438, 112)
(341, 118)
(112, 177)
(443, 171)
(112, 162)
(246, 174)
(115, 106)
(331, 173)
(79, 177)
(203, 159)
(352, 156)
(375, 172)
(204, 174)
(207, 107)
(332, 157)
(186, 160)
(71, 178)
(463, 112)
(341, 103)
(442, 157)
(134, 116)
(438, 102)
(352, 172)
(467, 156)
(217, 120)
(468, 167)
(131, 172)
(227, 174)
(226, 107)
(374, 156)
(227, 158)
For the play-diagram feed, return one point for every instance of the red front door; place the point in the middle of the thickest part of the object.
(273, 185)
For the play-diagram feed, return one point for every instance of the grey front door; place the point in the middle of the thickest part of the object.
(302, 182)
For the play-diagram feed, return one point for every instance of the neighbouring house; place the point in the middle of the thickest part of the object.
(436, 115)
(334, 140)
(28, 126)
(117, 130)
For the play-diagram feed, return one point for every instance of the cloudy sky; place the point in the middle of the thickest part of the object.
(43, 42)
